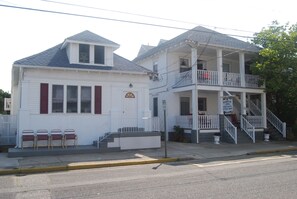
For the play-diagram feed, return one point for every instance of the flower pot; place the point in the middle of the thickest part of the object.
(216, 139)
(266, 137)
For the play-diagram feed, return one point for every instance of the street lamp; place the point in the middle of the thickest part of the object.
(165, 130)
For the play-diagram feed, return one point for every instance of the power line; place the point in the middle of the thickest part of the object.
(142, 15)
(113, 19)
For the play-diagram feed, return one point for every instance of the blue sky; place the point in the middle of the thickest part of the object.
(24, 33)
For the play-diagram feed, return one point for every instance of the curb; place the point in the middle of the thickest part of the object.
(88, 165)
(272, 151)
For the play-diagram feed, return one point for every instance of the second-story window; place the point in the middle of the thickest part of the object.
(99, 55)
(84, 53)
(184, 65)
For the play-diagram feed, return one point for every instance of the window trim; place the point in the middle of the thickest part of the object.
(88, 61)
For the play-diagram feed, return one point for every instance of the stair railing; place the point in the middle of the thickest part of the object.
(247, 128)
(230, 129)
(277, 123)
(272, 118)
(101, 138)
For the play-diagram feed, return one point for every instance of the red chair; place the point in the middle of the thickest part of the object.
(70, 134)
(42, 135)
(28, 136)
(56, 134)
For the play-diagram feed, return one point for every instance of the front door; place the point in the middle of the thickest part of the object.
(130, 109)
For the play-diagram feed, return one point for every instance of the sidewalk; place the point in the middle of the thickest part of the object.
(176, 152)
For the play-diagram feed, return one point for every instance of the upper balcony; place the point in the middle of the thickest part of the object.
(211, 78)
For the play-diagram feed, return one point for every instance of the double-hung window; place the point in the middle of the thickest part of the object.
(85, 99)
(72, 99)
(84, 53)
(57, 98)
(99, 55)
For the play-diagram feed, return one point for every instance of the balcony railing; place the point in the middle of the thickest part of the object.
(231, 79)
(211, 78)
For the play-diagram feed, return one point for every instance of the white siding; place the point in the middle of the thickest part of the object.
(89, 126)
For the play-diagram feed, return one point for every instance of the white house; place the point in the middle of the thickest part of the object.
(204, 77)
(82, 84)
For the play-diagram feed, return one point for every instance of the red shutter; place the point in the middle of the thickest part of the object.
(98, 99)
(43, 98)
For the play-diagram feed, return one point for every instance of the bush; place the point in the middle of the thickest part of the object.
(178, 134)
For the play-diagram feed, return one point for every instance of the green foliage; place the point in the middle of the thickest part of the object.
(277, 66)
(178, 134)
(2, 96)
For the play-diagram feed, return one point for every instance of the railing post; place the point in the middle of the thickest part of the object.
(284, 131)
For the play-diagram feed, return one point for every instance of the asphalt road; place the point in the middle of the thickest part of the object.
(270, 176)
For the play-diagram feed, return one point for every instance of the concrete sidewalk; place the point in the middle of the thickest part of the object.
(176, 152)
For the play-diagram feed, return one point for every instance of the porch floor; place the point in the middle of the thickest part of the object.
(44, 151)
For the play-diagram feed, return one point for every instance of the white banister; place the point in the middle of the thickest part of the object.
(230, 129)
(183, 79)
(208, 122)
(247, 128)
(256, 121)
(277, 123)
(207, 77)
(231, 79)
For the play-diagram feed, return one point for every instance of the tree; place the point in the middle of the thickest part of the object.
(2, 96)
(277, 66)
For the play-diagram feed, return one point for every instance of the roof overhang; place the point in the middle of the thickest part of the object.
(67, 41)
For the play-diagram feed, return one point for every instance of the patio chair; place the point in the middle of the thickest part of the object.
(42, 135)
(70, 134)
(56, 135)
(28, 136)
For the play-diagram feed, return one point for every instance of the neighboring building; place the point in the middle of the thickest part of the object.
(81, 84)
(205, 78)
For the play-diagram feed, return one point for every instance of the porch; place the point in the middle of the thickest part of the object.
(211, 78)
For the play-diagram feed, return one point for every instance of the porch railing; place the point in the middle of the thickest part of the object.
(231, 79)
(204, 121)
(256, 121)
(207, 77)
(230, 129)
(247, 128)
(208, 122)
(254, 108)
(155, 124)
(184, 121)
(277, 123)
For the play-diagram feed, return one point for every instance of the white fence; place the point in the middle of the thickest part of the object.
(207, 77)
(231, 79)
(277, 123)
(256, 121)
(8, 129)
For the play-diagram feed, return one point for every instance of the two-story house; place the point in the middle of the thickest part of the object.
(204, 77)
(82, 84)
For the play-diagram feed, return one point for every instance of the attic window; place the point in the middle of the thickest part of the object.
(84, 53)
(99, 54)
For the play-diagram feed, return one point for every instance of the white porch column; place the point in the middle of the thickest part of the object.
(263, 109)
(195, 90)
(242, 69)
(24, 112)
(220, 66)
(243, 103)
(220, 103)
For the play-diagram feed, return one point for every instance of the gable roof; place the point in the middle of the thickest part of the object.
(89, 37)
(144, 48)
(56, 57)
(202, 36)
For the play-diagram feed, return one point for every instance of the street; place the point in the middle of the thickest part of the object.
(265, 176)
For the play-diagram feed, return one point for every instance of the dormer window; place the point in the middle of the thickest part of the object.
(99, 54)
(84, 53)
